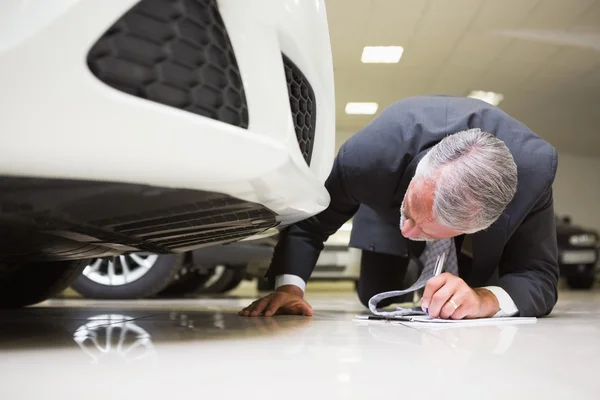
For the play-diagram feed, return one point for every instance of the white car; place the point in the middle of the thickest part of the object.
(155, 126)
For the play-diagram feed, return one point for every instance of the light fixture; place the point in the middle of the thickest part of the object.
(489, 97)
(361, 108)
(382, 54)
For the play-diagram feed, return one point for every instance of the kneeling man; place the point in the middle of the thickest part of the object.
(436, 174)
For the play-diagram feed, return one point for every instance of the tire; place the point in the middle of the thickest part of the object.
(263, 285)
(157, 277)
(184, 285)
(234, 277)
(202, 283)
(581, 281)
(32, 283)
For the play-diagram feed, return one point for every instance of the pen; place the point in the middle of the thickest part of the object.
(439, 267)
(439, 264)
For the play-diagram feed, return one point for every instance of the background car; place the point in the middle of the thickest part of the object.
(208, 270)
(155, 126)
(577, 253)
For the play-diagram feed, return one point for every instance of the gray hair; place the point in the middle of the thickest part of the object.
(475, 177)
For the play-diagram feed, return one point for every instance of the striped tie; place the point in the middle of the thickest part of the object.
(433, 250)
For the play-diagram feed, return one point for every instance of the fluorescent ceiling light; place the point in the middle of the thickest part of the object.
(361, 108)
(489, 97)
(381, 54)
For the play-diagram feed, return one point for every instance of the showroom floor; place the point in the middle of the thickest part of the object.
(71, 348)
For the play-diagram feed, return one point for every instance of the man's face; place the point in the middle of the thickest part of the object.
(417, 221)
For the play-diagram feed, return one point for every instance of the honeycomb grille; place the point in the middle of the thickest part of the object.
(177, 53)
(303, 105)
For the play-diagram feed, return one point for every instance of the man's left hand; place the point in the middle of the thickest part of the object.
(447, 296)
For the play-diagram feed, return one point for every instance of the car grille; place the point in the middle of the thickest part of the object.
(303, 105)
(176, 53)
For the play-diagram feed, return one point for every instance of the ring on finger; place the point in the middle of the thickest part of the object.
(453, 303)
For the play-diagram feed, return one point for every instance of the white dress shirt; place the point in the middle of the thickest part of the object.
(506, 303)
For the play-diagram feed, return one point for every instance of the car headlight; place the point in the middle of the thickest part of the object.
(586, 239)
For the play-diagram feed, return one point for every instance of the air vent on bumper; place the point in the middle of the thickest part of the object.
(303, 105)
(176, 53)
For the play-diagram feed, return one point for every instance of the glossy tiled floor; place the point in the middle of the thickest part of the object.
(201, 349)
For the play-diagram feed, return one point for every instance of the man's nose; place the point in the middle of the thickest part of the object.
(409, 229)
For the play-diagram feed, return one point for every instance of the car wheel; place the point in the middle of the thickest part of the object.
(219, 279)
(130, 276)
(35, 282)
(581, 281)
(223, 279)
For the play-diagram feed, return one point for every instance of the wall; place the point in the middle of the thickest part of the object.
(577, 189)
(340, 138)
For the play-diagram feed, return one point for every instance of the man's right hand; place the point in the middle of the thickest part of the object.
(287, 299)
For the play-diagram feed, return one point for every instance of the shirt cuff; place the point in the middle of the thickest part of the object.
(508, 308)
(287, 279)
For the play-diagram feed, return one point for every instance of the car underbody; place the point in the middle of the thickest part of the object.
(50, 220)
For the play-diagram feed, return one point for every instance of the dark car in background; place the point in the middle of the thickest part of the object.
(577, 253)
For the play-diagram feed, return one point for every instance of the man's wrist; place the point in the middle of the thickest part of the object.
(291, 289)
(508, 308)
(289, 279)
(489, 302)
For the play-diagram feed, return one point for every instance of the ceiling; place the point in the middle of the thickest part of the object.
(543, 55)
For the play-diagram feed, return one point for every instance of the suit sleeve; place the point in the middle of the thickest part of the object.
(300, 244)
(529, 269)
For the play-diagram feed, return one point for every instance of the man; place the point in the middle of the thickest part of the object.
(426, 170)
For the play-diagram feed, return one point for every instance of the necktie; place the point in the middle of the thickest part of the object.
(433, 250)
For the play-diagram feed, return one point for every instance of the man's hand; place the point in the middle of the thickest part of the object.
(470, 303)
(288, 299)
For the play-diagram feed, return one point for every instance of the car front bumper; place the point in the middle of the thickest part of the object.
(62, 122)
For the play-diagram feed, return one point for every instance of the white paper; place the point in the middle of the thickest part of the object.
(427, 320)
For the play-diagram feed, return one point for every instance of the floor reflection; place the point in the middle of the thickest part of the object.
(113, 335)
(68, 347)
(491, 339)
(99, 332)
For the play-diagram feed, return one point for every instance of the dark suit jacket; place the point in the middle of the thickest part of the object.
(374, 167)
